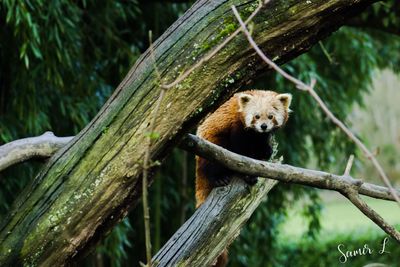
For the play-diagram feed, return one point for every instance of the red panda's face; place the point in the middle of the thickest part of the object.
(265, 111)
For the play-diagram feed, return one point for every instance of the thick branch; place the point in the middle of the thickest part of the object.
(286, 173)
(242, 164)
(21, 150)
(280, 172)
(214, 225)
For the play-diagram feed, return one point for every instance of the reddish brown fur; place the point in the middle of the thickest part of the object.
(213, 129)
(225, 127)
(217, 128)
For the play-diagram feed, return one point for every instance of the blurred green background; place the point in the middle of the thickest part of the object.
(60, 60)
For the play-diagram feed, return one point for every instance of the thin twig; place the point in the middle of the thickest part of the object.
(349, 165)
(146, 160)
(203, 60)
(310, 89)
(184, 195)
(326, 53)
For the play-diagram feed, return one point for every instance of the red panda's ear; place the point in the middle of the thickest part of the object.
(286, 99)
(243, 100)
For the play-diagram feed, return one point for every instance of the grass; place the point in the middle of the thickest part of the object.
(339, 216)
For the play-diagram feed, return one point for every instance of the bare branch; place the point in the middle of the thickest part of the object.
(290, 174)
(281, 172)
(21, 150)
(354, 197)
(310, 89)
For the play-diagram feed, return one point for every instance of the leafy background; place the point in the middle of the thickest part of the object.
(60, 60)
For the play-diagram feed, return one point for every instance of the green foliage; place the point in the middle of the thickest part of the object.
(171, 203)
(383, 17)
(323, 252)
(61, 62)
(114, 247)
(62, 59)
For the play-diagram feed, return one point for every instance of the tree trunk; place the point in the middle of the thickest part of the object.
(217, 222)
(88, 186)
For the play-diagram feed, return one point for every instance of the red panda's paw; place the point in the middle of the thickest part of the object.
(221, 181)
(250, 180)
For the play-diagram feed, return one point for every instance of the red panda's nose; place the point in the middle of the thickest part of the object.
(264, 126)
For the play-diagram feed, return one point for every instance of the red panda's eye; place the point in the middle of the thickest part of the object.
(257, 116)
(270, 117)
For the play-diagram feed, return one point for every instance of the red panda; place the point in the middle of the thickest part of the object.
(244, 125)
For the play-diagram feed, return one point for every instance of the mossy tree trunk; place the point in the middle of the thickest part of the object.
(88, 186)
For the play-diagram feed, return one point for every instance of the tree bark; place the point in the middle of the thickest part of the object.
(214, 225)
(89, 185)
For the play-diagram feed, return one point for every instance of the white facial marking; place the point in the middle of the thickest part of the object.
(279, 119)
(247, 120)
(264, 111)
